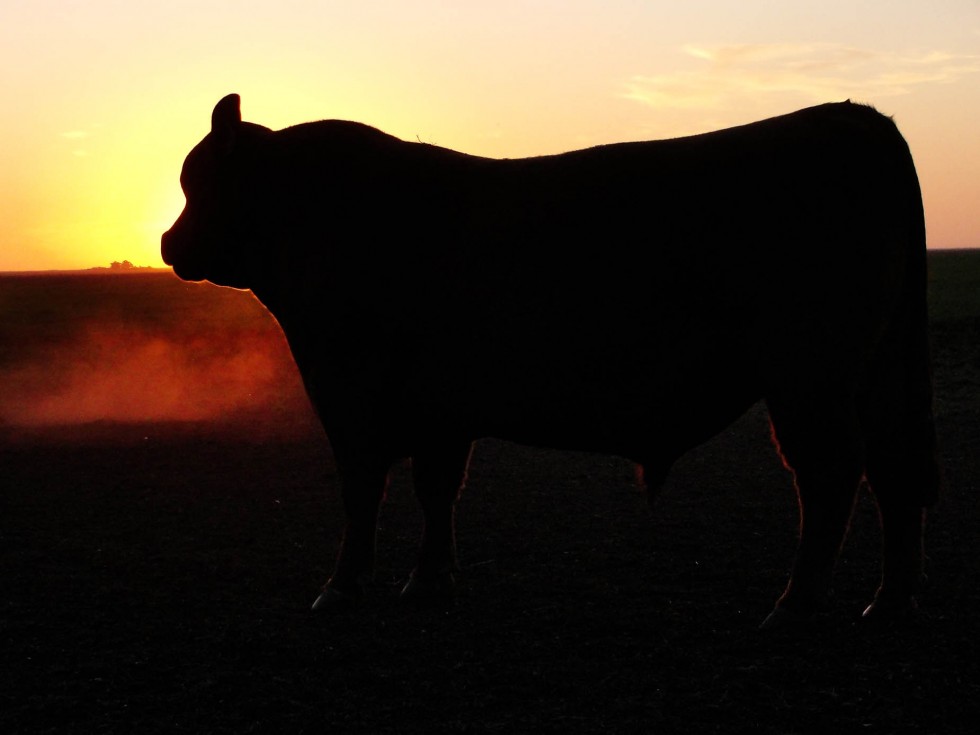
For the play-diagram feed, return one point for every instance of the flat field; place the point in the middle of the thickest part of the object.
(169, 508)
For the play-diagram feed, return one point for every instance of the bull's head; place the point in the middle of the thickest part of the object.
(215, 237)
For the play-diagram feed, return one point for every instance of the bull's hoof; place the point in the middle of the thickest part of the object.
(430, 589)
(332, 599)
(891, 610)
(784, 619)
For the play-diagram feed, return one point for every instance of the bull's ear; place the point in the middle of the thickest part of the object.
(225, 122)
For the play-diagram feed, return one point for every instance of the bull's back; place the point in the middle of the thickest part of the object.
(699, 233)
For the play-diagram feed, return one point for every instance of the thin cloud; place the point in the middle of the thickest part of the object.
(816, 72)
(77, 136)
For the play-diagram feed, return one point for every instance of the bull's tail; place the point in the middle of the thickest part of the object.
(901, 445)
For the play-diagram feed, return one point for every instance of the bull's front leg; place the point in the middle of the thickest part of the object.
(439, 474)
(363, 486)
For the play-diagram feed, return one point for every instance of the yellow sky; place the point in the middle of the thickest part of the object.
(103, 99)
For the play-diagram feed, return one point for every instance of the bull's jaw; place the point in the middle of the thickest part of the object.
(174, 253)
(190, 262)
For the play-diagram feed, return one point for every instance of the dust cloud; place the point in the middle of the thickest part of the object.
(126, 373)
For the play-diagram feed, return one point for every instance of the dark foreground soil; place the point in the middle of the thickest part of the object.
(157, 578)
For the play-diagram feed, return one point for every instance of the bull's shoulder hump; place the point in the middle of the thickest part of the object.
(334, 129)
(350, 134)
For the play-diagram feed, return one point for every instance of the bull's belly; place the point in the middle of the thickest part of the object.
(652, 416)
(650, 437)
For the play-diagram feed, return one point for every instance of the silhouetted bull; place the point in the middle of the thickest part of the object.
(632, 299)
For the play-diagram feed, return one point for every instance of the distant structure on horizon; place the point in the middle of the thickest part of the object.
(123, 267)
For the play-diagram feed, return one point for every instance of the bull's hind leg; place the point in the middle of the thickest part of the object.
(901, 525)
(903, 472)
(439, 473)
(362, 487)
(819, 437)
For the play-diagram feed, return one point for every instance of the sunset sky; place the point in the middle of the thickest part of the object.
(103, 99)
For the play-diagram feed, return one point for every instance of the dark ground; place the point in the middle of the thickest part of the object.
(157, 578)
